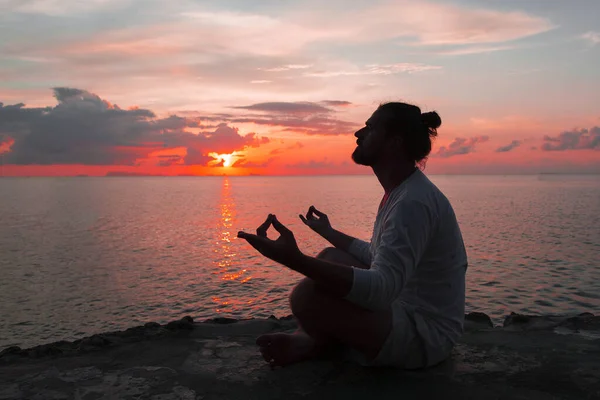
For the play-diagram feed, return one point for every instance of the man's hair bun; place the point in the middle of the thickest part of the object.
(432, 121)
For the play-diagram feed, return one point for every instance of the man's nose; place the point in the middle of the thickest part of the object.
(360, 132)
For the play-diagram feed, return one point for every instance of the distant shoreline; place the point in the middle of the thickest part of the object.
(135, 175)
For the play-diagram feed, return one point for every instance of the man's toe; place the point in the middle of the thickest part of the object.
(266, 354)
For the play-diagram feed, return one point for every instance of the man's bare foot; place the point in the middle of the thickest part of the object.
(281, 349)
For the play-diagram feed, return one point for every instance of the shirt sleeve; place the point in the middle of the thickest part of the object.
(361, 250)
(403, 241)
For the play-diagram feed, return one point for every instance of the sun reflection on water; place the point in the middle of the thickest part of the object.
(226, 259)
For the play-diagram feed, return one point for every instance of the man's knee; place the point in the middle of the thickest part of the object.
(303, 297)
(328, 253)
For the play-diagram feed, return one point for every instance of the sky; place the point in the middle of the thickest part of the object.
(278, 87)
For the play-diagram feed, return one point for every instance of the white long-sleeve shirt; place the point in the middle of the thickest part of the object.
(417, 261)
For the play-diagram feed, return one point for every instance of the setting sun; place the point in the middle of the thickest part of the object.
(226, 159)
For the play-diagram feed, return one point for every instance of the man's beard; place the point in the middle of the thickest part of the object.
(359, 157)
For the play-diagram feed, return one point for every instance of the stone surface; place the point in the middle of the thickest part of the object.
(552, 357)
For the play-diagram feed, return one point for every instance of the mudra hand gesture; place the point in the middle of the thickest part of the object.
(283, 250)
(321, 225)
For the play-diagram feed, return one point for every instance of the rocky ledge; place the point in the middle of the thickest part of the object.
(529, 357)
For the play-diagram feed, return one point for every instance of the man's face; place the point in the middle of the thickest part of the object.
(371, 141)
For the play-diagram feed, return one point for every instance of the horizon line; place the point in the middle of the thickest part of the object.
(134, 175)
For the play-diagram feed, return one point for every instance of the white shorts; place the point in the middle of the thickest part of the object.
(404, 346)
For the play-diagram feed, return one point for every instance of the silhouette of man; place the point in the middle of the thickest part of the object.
(398, 300)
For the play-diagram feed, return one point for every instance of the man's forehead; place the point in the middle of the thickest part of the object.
(376, 117)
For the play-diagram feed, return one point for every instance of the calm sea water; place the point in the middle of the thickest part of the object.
(80, 256)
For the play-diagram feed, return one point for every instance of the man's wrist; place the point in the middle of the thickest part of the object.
(296, 260)
(328, 233)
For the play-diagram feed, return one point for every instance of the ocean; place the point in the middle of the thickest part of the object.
(84, 255)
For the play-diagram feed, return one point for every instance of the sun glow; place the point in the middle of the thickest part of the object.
(227, 159)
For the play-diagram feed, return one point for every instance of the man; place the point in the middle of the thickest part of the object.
(398, 300)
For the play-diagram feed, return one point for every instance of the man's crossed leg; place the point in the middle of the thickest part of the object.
(326, 321)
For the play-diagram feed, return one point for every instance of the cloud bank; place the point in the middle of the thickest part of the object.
(85, 129)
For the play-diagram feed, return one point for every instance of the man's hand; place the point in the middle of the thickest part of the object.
(320, 225)
(284, 250)
(336, 278)
(323, 227)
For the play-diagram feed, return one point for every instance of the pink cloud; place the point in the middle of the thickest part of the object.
(286, 68)
(376, 69)
(466, 50)
(300, 117)
(461, 146)
(578, 139)
(66, 7)
(428, 23)
(592, 37)
(133, 47)
(512, 145)
(287, 107)
(337, 103)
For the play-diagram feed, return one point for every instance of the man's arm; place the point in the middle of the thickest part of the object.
(356, 247)
(338, 239)
(402, 244)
